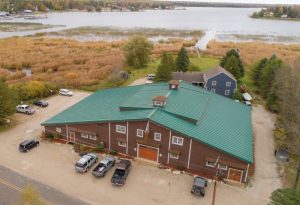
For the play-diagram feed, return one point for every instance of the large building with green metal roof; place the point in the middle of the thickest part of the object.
(175, 124)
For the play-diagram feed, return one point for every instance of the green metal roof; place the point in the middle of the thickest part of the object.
(204, 116)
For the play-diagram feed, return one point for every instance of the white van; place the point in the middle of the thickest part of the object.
(150, 76)
(65, 92)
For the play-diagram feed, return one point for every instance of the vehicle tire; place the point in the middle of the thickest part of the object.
(113, 164)
(37, 144)
(87, 169)
(202, 194)
(104, 174)
(27, 113)
(197, 192)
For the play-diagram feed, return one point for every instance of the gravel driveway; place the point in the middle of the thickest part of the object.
(52, 164)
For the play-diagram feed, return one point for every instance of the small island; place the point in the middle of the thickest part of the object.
(279, 12)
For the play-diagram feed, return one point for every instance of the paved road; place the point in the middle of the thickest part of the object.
(12, 183)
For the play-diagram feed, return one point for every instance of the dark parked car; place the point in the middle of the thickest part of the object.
(41, 103)
(27, 145)
(121, 173)
(104, 166)
(199, 186)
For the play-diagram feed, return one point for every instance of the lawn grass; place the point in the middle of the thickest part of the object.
(204, 62)
(141, 72)
(248, 81)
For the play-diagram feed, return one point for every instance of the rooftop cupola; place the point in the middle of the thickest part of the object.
(174, 85)
(159, 101)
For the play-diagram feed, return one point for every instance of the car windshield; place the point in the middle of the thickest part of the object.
(119, 173)
(199, 182)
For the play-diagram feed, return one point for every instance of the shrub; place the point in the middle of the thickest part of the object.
(100, 147)
(113, 152)
(137, 51)
(50, 136)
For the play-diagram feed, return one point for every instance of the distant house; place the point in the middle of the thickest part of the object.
(4, 14)
(217, 80)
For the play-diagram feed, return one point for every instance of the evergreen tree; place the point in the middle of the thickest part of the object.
(232, 65)
(257, 71)
(285, 197)
(137, 51)
(7, 105)
(182, 60)
(234, 57)
(164, 70)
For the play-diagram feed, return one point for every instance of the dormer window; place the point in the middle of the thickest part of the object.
(174, 85)
(159, 101)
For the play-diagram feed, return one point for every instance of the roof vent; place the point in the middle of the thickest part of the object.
(174, 85)
(159, 101)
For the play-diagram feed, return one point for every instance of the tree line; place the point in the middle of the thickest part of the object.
(278, 12)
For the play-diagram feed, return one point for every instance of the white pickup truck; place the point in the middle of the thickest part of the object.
(25, 109)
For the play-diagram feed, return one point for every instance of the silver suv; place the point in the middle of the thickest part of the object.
(25, 109)
(65, 92)
(86, 162)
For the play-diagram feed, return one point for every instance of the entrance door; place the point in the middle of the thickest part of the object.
(72, 136)
(235, 175)
(148, 153)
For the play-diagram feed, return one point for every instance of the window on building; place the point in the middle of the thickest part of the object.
(227, 92)
(213, 90)
(122, 143)
(157, 136)
(177, 140)
(121, 129)
(158, 103)
(228, 84)
(140, 133)
(174, 156)
(222, 166)
(84, 135)
(58, 129)
(214, 82)
(93, 137)
(210, 164)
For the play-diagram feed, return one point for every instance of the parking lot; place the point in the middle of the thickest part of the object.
(53, 164)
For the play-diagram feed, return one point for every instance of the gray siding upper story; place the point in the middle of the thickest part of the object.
(221, 84)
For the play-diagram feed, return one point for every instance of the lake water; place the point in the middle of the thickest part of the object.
(217, 22)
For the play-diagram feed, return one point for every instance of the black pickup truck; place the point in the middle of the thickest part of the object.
(121, 173)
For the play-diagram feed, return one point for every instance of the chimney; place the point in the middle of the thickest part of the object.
(159, 101)
(174, 85)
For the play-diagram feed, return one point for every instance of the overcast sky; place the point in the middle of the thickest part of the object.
(252, 1)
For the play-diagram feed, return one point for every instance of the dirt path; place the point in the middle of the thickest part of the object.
(139, 81)
(266, 178)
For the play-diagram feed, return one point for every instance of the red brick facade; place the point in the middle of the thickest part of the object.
(192, 154)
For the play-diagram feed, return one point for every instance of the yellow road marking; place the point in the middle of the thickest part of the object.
(15, 187)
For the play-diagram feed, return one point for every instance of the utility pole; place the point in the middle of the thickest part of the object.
(215, 189)
(216, 177)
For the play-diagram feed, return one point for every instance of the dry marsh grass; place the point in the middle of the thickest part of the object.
(253, 51)
(69, 62)
(66, 62)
